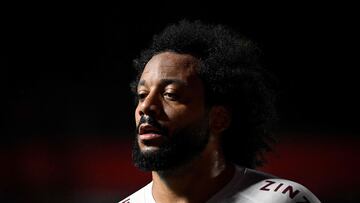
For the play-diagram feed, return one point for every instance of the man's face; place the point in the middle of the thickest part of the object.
(171, 119)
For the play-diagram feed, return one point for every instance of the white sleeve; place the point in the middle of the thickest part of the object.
(278, 191)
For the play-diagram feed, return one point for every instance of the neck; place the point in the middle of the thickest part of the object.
(196, 181)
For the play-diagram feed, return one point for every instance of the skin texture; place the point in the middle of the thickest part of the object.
(171, 91)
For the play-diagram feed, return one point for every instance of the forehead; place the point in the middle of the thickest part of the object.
(171, 65)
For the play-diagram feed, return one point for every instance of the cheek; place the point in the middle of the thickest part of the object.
(175, 112)
(182, 116)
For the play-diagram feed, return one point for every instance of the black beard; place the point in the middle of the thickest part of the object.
(178, 149)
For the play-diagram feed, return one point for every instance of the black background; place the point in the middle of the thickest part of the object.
(67, 68)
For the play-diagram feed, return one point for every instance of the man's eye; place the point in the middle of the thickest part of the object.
(171, 96)
(141, 96)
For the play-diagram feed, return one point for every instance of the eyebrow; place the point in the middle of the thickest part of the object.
(166, 82)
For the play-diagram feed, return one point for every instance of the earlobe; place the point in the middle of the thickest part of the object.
(219, 119)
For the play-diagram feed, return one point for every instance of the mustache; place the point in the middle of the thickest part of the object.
(153, 122)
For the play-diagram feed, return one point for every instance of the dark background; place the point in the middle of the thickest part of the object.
(66, 71)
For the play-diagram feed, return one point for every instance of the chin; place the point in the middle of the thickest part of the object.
(149, 149)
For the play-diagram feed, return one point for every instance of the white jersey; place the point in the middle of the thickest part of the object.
(247, 186)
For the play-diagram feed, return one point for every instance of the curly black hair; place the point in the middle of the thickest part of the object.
(233, 76)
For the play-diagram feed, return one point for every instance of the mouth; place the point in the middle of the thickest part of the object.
(150, 135)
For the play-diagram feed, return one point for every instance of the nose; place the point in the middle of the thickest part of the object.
(150, 105)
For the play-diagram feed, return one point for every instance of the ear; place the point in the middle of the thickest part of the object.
(219, 119)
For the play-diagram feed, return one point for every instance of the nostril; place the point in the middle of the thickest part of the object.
(150, 109)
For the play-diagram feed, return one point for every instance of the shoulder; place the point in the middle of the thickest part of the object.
(277, 190)
(138, 196)
(253, 186)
